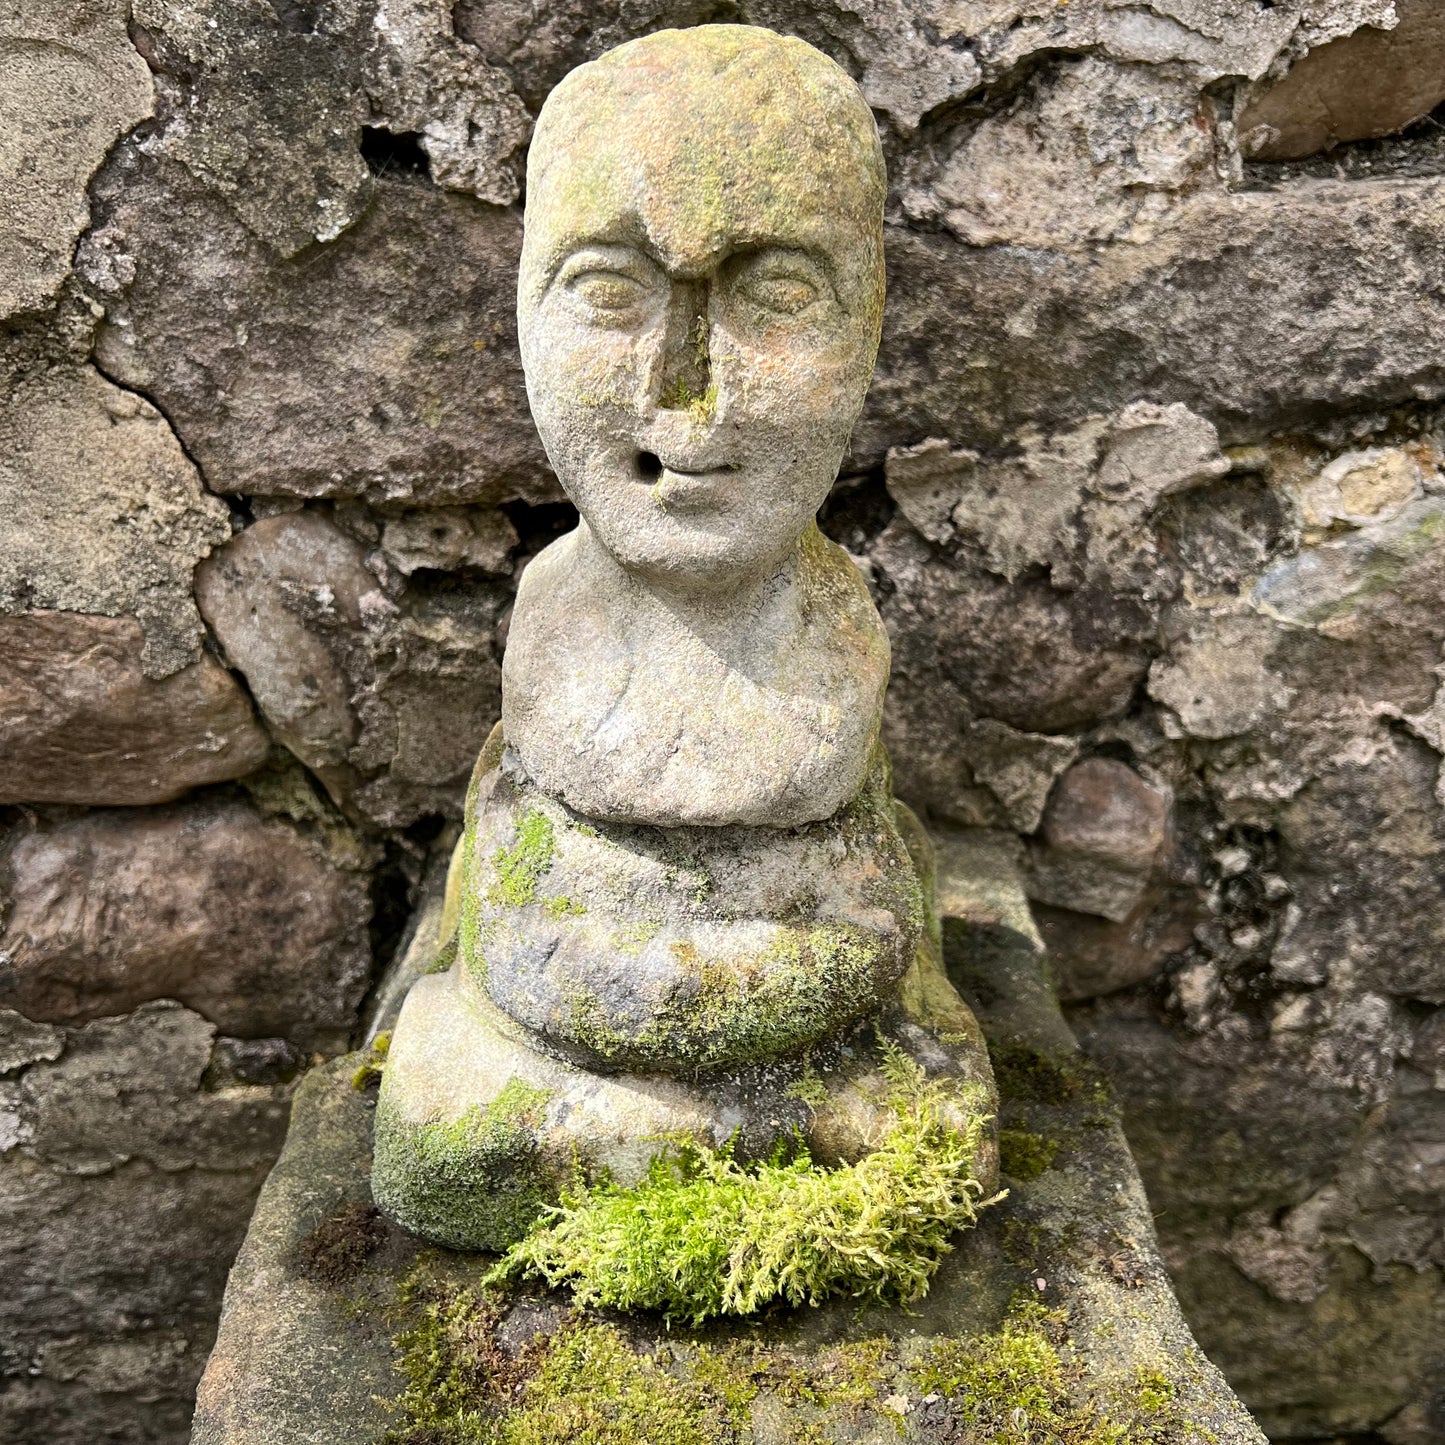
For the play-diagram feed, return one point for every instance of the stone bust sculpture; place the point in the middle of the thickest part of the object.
(699, 305)
(688, 900)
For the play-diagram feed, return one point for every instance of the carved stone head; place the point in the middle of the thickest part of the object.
(701, 294)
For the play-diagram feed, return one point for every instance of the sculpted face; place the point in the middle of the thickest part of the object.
(701, 293)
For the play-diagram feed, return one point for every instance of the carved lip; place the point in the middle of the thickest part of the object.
(693, 491)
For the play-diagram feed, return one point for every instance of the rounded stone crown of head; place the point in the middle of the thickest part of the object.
(699, 307)
(701, 293)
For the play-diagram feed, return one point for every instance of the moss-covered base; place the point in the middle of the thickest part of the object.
(682, 950)
(1051, 1323)
(477, 1131)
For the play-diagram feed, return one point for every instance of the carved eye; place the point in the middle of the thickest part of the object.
(786, 295)
(607, 290)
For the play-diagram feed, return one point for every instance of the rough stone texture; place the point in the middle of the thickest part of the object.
(125, 1184)
(385, 692)
(382, 366)
(294, 260)
(103, 512)
(71, 84)
(81, 723)
(254, 923)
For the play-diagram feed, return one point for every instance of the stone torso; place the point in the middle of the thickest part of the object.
(628, 712)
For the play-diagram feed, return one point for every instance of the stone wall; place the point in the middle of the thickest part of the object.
(1150, 489)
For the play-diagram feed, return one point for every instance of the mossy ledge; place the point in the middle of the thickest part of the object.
(588, 1383)
(703, 1235)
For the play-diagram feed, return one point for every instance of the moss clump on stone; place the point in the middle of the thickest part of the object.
(704, 1235)
(475, 1182)
(592, 1389)
(1021, 1386)
(370, 1071)
(1030, 1076)
(1024, 1156)
(456, 1373)
(804, 986)
(340, 1245)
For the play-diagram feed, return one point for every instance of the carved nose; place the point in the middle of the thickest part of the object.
(684, 381)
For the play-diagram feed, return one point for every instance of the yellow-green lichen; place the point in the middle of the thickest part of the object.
(803, 986)
(1024, 1386)
(370, 1070)
(520, 867)
(704, 1235)
(474, 1182)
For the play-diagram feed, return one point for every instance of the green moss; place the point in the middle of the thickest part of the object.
(456, 1374)
(370, 1070)
(1024, 1156)
(802, 987)
(1027, 1075)
(474, 1182)
(808, 1088)
(704, 1235)
(1022, 1386)
(592, 1389)
(520, 867)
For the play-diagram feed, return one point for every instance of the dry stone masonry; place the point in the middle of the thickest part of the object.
(1147, 491)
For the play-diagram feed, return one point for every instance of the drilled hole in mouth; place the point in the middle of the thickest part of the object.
(649, 466)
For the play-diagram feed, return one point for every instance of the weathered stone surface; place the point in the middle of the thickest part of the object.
(254, 924)
(71, 85)
(968, 643)
(696, 652)
(103, 511)
(285, 155)
(1257, 311)
(387, 701)
(383, 365)
(1092, 151)
(293, 287)
(448, 538)
(1103, 832)
(125, 1185)
(81, 723)
(1370, 83)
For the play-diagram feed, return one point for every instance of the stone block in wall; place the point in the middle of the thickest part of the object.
(258, 925)
(1104, 832)
(103, 512)
(1370, 83)
(126, 1178)
(1256, 310)
(387, 699)
(71, 84)
(382, 365)
(80, 722)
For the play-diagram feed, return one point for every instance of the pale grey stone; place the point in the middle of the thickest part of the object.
(103, 511)
(382, 365)
(446, 538)
(696, 652)
(23, 1042)
(71, 84)
(387, 701)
